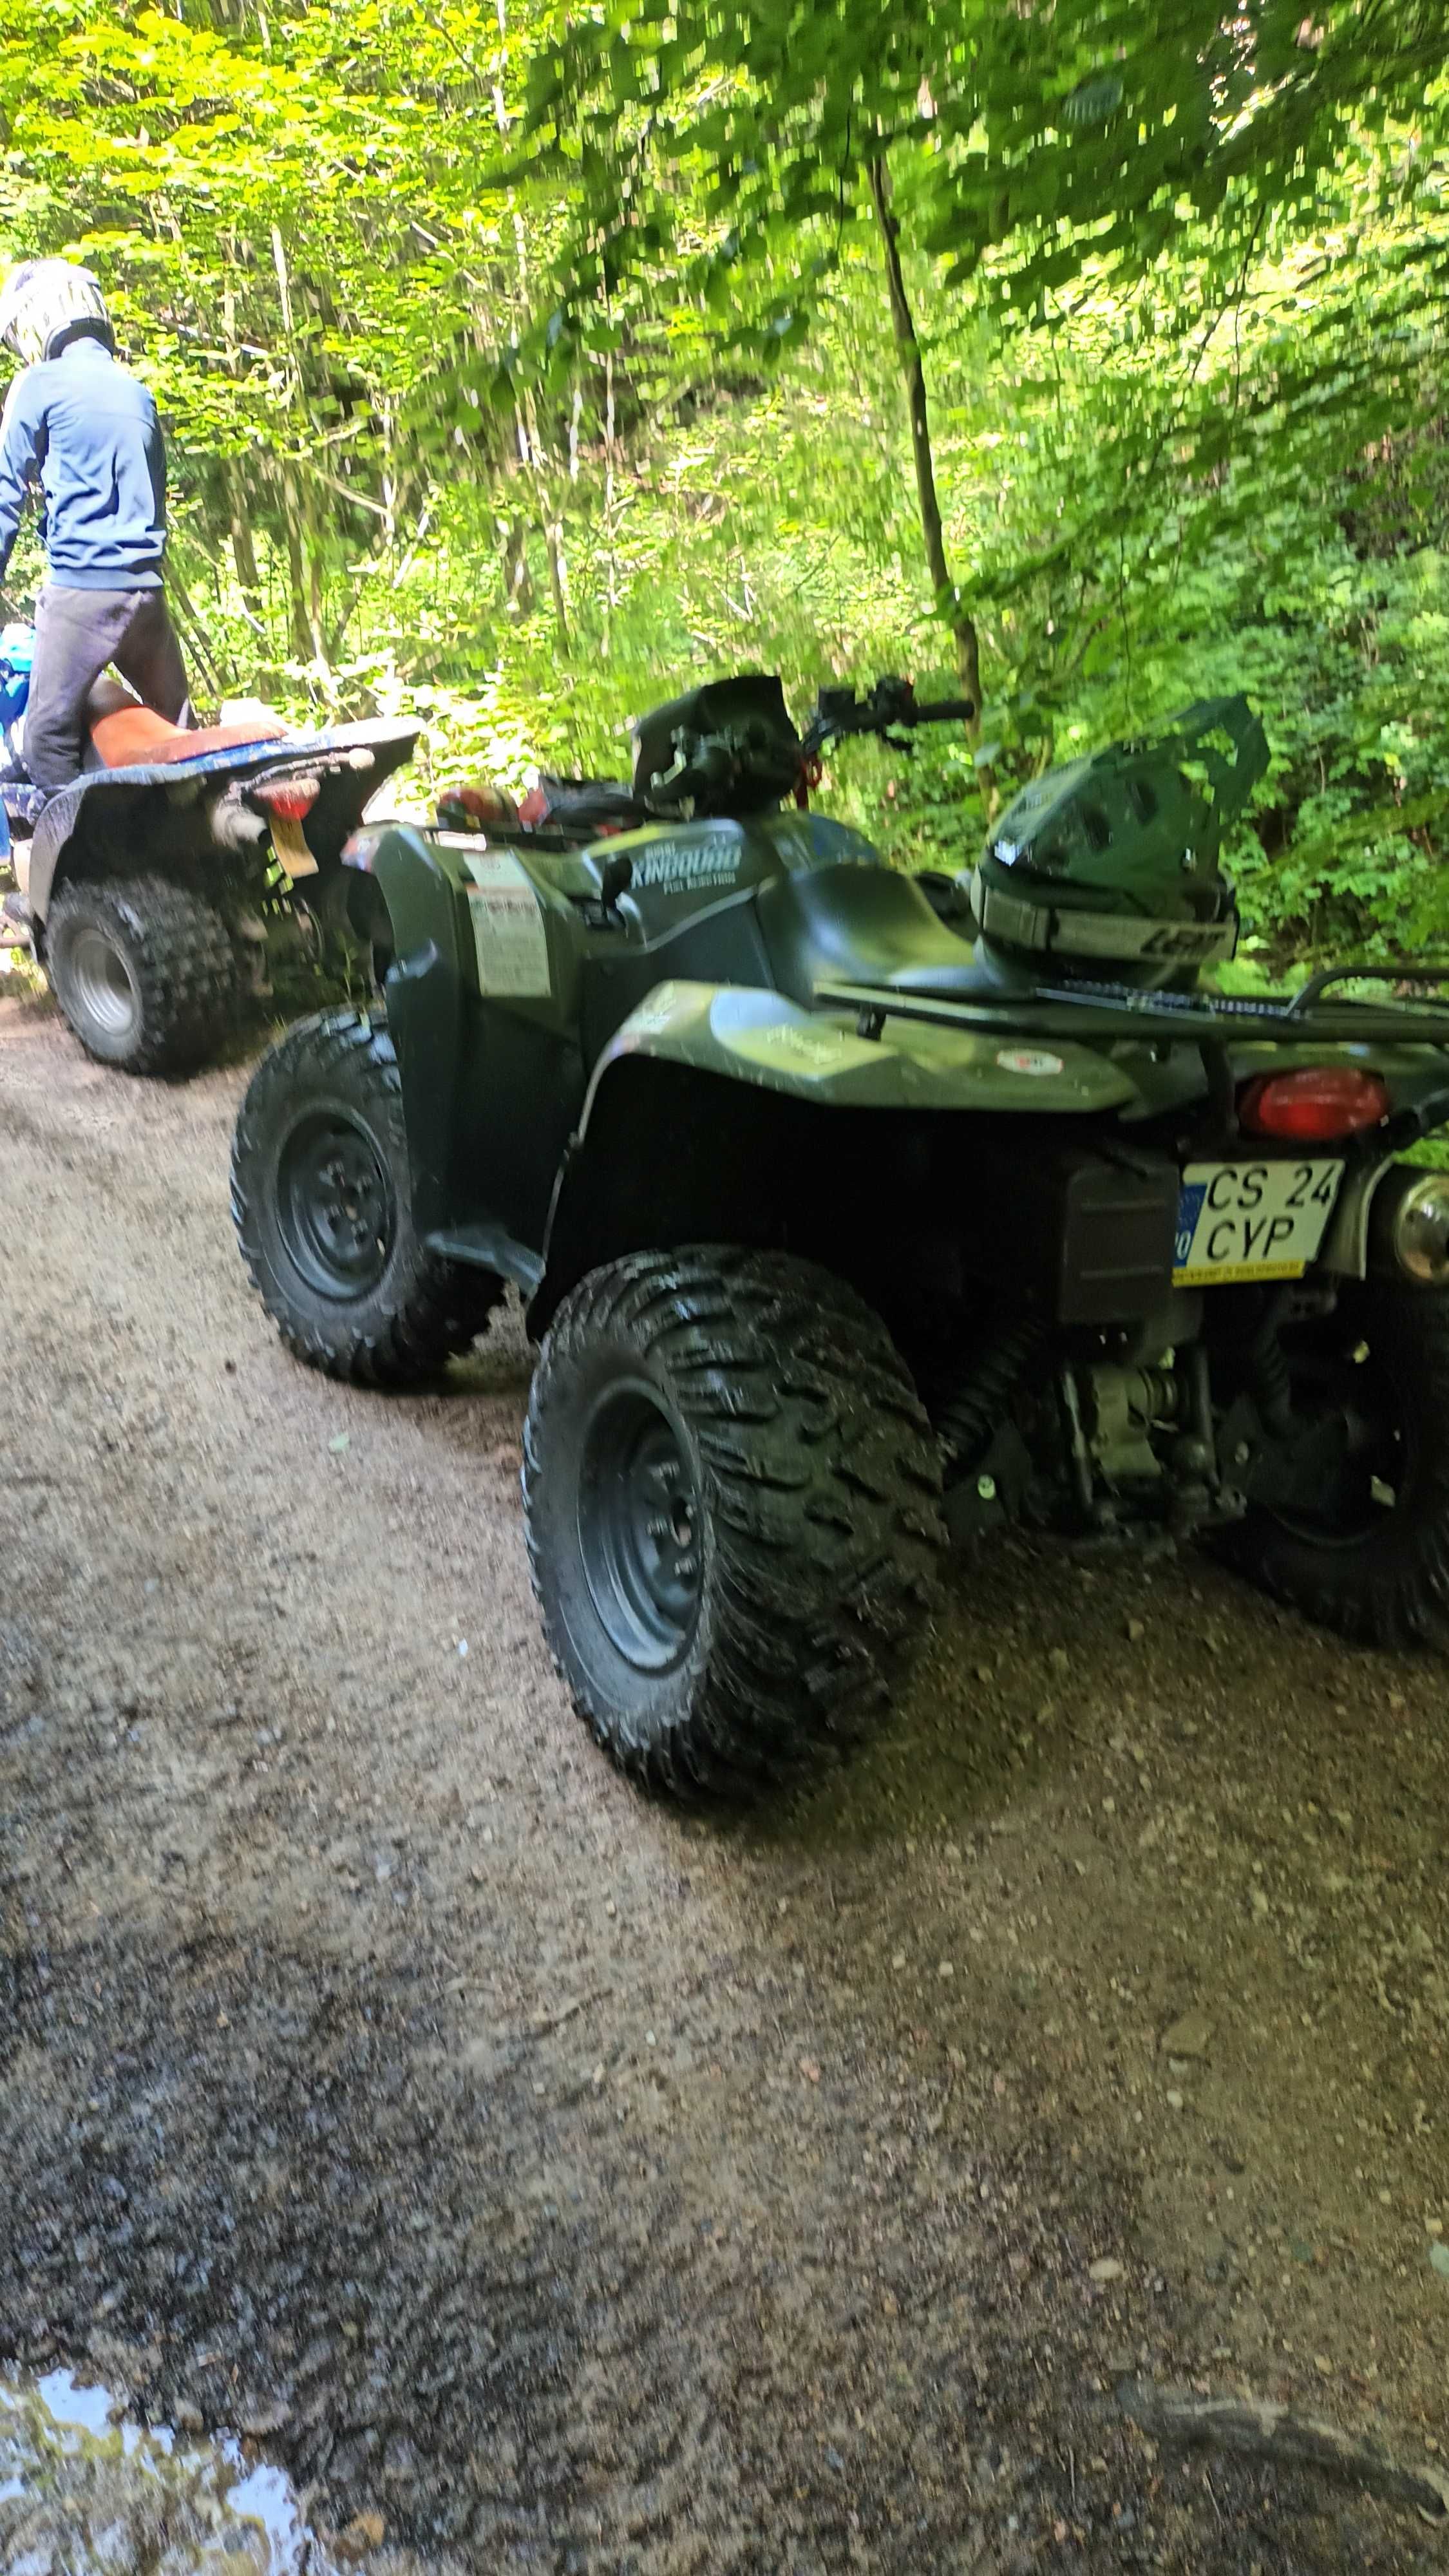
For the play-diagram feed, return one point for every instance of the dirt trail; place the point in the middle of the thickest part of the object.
(582, 2187)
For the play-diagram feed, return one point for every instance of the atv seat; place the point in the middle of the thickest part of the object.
(861, 925)
(125, 735)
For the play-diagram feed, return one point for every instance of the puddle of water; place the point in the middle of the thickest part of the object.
(83, 2490)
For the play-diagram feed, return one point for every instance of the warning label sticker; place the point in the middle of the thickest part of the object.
(509, 937)
(813, 1053)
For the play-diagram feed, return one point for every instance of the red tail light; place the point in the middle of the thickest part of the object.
(291, 798)
(1316, 1102)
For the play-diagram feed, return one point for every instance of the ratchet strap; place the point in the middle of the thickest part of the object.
(1051, 932)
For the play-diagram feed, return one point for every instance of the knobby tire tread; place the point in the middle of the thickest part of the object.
(436, 1308)
(184, 960)
(1393, 1593)
(826, 1485)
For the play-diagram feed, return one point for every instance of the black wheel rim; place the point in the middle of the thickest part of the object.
(1364, 1458)
(336, 1205)
(640, 1533)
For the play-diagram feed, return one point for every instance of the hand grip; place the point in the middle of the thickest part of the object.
(942, 711)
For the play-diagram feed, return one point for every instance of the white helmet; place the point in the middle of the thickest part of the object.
(44, 303)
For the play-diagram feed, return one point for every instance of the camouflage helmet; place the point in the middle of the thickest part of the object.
(1111, 864)
(47, 303)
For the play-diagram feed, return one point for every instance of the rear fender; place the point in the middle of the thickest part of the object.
(353, 762)
(108, 813)
(727, 1113)
(759, 1038)
(62, 845)
(110, 819)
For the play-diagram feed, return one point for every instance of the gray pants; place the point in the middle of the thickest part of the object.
(77, 632)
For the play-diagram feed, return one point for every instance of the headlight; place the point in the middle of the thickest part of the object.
(1410, 1225)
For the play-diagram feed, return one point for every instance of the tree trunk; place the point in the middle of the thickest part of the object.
(297, 600)
(517, 579)
(312, 546)
(557, 577)
(241, 509)
(550, 516)
(243, 546)
(913, 374)
(198, 642)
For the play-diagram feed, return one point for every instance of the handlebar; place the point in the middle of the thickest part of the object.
(892, 703)
(945, 711)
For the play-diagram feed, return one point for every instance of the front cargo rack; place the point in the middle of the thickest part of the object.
(1102, 1011)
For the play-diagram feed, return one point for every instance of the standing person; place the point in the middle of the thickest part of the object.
(83, 427)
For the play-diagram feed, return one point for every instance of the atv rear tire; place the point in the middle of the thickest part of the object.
(1371, 1558)
(731, 1494)
(321, 1196)
(143, 970)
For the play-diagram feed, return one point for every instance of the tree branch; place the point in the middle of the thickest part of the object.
(913, 373)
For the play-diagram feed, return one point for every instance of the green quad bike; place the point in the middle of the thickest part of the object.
(851, 1217)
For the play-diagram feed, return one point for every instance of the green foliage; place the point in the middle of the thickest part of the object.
(517, 372)
(1028, 142)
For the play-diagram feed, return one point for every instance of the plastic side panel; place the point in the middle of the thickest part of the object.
(49, 842)
(492, 1081)
(760, 1038)
(810, 841)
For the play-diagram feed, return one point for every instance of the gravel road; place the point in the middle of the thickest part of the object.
(573, 2185)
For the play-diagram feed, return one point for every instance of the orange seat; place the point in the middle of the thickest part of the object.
(130, 736)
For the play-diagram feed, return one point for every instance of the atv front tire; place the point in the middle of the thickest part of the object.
(143, 970)
(1368, 1553)
(731, 1495)
(321, 1197)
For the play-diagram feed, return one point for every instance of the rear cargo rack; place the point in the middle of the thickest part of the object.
(1098, 1011)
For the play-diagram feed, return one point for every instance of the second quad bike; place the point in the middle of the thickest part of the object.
(852, 1218)
(155, 891)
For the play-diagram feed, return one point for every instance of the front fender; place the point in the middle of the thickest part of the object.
(482, 1003)
(425, 997)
